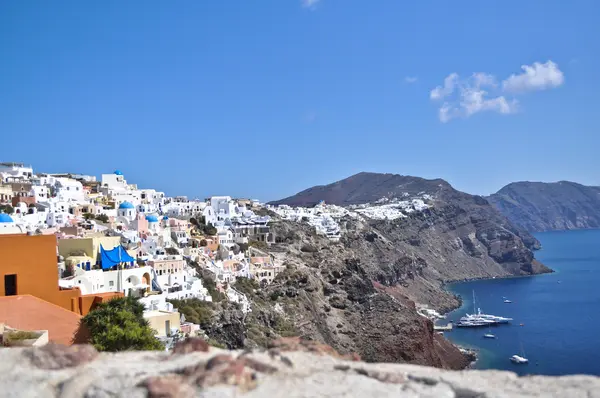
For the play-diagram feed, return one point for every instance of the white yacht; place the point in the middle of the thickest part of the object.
(489, 336)
(485, 318)
(519, 359)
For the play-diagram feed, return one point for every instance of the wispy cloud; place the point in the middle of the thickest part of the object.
(535, 77)
(310, 4)
(411, 79)
(480, 92)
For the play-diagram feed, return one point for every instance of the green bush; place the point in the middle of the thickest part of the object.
(195, 310)
(88, 216)
(102, 218)
(246, 285)
(258, 244)
(210, 230)
(8, 209)
(19, 335)
(119, 325)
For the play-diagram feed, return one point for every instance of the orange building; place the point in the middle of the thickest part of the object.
(25, 312)
(28, 265)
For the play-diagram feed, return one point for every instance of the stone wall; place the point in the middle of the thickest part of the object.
(289, 369)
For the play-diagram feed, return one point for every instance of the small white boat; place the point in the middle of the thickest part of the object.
(507, 301)
(489, 336)
(519, 359)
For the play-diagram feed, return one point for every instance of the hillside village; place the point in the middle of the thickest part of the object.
(69, 242)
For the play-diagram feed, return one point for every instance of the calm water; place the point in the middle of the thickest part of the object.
(561, 332)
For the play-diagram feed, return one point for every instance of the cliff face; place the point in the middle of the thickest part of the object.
(538, 206)
(360, 294)
(293, 369)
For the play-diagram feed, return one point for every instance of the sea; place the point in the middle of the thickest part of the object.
(559, 312)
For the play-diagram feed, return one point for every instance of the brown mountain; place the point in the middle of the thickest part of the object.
(539, 206)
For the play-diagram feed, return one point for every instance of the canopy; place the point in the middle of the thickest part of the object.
(110, 258)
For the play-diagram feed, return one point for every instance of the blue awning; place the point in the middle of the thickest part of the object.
(118, 255)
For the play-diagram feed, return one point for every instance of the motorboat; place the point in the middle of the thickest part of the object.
(485, 318)
(507, 301)
(489, 336)
(470, 324)
(519, 359)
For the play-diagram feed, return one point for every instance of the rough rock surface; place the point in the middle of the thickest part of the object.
(359, 295)
(274, 373)
(539, 206)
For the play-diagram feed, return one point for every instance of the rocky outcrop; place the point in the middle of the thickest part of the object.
(538, 206)
(359, 295)
(293, 369)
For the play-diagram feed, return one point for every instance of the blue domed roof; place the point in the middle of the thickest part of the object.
(5, 218)
(165, 217)
(118, 172)
(151, 218)
(126, 205)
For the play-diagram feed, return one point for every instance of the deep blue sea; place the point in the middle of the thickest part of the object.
(560, 311)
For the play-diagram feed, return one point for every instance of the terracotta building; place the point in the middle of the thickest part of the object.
(28, 265)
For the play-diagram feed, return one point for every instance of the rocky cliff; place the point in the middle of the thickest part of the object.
(538, 206)
(360, 294)
(292, 369)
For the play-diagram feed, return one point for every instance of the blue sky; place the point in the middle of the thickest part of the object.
(265, 98)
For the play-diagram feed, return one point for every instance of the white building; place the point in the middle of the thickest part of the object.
(8, 226)
(68, 189)
(41, 193)
(130, 281)
(14, 172)
(126, 213)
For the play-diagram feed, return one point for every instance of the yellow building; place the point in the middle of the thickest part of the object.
(88, 246)
(163, 322)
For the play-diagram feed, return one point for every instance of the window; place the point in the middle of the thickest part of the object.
(10, 285)
(111, 283)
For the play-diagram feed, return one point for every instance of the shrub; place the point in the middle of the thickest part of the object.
(246, 285)
(195, 310)
(119, 325)
(210, 230)
(172, 251)
(258, 244)
(8, 209)
(19, 335)
(88, 216)
(102, 218)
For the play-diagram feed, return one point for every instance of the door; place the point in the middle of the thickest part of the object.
(168, 328)
(10, 285)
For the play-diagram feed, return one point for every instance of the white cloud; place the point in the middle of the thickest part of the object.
(481, 79)
(535, 77)
(310, 3)
(448, 88)
(464, 97)
(411, 79)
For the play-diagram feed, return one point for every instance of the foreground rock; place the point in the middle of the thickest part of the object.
(307, 371)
